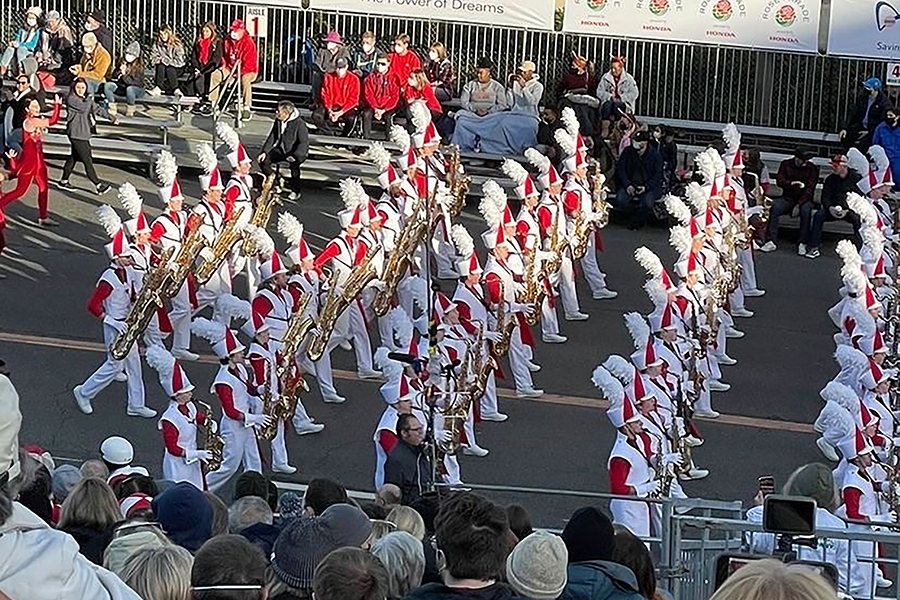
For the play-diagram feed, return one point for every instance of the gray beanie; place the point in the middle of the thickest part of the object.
(64, 480)
(305, 542)
(536, 568)
(133, 48)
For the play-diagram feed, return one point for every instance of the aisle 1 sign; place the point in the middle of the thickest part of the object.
(257, 20)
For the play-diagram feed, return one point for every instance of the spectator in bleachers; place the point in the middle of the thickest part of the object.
(403, 557)
(576, 90)
(206, 56)
(25, 44)
(403, 60)
(663, 139)
(128, 80)
(617, 92)
(480, 98)
(867, 114)
(416, 88)
(57, 50)
(833, 205)
(325, 62)
(167, 57)
(14, 111)
(887, 135)
(546, 136)
(159, 573)
(339, 101)
(96, 23)
(238, 48)
(440, 72)
(288, 141)
(797, 178)
(364, 59)
(639, 174)
(228, 561)
(81, 115)
(408, 466)
(94, 65)
(89, 514)
(350, 574)
(382, 96)
(517, 127)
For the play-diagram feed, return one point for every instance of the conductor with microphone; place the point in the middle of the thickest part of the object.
(408, 465)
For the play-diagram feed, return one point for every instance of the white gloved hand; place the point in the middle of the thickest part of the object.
(212, 425)
(837, 212)
(544, 255)
(444, 436)
(670, 459)
(192, 456)
(517, 307)
(645, 489)
(251, 420)
(492, 336)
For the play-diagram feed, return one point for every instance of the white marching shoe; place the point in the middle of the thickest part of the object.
(528, 392)
(368, 374)
(309, 427)
(475, 450)
(605, 294)
(553, 338)
(333, 399)
(577, 316)
(828, 450)
(734, 334)
(184, 354)
(741, 312)
(754, 293)
(533, 367)
(84, 403)
(497, 417)
(716, 385)
(724, 359)
(141, 411)
(706, 414)
(286, 469)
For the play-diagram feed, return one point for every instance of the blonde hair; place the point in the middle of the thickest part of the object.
(159, 573)
(440, 49)
(90, 504)
(773, 580)
(408, 520)
(421, 79)
(380, 529)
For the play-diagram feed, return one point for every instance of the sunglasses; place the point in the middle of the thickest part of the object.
(382, 64)
(22, 83)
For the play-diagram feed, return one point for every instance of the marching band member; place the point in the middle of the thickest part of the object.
(215, 214)
(373, 236)
(111, 302)
(182, 461)
(304, 278)
(168, 231)
(837, 419)
(239, 195)
(344, 253)
(273, 304)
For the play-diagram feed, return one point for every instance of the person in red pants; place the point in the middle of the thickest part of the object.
(29, 167)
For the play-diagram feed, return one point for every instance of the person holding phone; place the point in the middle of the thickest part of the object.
(797, 178)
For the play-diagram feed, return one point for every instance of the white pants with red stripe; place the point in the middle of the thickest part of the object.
(241, 450)
(105, 374)
(595, 277)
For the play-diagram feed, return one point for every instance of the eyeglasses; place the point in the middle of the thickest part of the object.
(382, 64)
(23, 82)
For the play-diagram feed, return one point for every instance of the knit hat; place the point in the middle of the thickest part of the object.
(290, 505)
(815, 481)
(536, 568)
(10, 422)
(123, 546)
(134, 49)
(64, 480)
(589, 535)
(185, 515)
(305, 542)
(251, 483)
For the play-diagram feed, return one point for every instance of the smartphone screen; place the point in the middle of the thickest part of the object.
(790, 515)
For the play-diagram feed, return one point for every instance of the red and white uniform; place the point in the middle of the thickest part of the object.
(495, 273)
(169, 229)
(213, 222)
(274, 308)
(234, 386)
(310, 282)
(629, 466)
(548, 211)
(179, 429)
(577, 198)
(473, 308)
(528, 236)
(862, 501)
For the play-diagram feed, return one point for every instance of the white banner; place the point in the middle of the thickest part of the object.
(865, 28)
(769, 24)
(533, 14)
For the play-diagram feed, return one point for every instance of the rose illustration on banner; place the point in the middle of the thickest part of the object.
(885, 15)
(596, 4)
(722, 10)
(659, 7)
(786, 15)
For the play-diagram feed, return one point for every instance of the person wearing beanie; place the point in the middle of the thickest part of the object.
(251, 483)
(592, 574)
(816, 481)
(866, 115)
(127, 81)
(536, 568)
(185, 515)
(62, 481)
(95, 23)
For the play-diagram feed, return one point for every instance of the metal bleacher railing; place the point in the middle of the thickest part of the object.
(678, 81)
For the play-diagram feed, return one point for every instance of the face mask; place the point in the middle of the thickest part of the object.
(382, 68)
(432, 55)
(235, 35)
(398, 48)
(341, 72)
(657, 135)
(367, 48)
(31, 22)
(90, 26)
(130, 58)
(331, 46)
(639, 145)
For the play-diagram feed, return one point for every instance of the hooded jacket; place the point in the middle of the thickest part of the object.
(243, 50)
(39, 563)
(600, 580)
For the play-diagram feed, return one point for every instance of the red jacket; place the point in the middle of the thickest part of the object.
(340, 91)
(243, 50)
(427, 94)
(402, 66)
(381, 91)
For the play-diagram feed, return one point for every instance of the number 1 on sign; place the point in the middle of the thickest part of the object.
(255, 26)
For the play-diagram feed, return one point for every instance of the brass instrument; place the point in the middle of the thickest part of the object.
(213, 442)
(598, 195)
(582, 230)
(294, 335)
(534, 290)
(268, 431)
(150, 298)
(483, 367)
(505, 325)
(265, 204)
(338, 301)
(190, 249)
(557, 247)
(226, 239)
(408, 240)
(663, 473)
(458, 182)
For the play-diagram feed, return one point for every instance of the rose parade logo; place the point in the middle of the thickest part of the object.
(786, 15)
(659, 7)
(885, 15)
(722, 11)
(596, 4)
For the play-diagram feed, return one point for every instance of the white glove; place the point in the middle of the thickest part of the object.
(517, 307)
(671, 459)
(207, 254)
(492, 336)
(251, 420)
(444, 437)
(544, 255)
(192, 456)
(837, 211)
(212, 425)
(645, 489)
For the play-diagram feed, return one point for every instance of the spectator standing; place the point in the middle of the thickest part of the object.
(26, 42)
(867, 114)
(128, 80)
(576, 89)
(536, 568)
(206, 56)
(519, 521)
(81, 113)
(321, 494)
(185, 515)
(772, 579)
(228, 561)
(480, 98)
(167, 57)
(639, 174)
(403, 558)
(631, 552)
(592, 572)
(252, 517)
(408, 466)
(382, 96)
(89, 514)
(887, 135)
(239, 49)
(663, 139)
(288, 141)
(63, 481)
(340, 101)
(440, 72)
(617, 92)
(57, 50)
(159, 573)
(797, 178)
(363, 60)
(408, 520)
(94, 65)
(834, 205)
(350, 574)
(403, 60)
(96, 24)
(326, 61)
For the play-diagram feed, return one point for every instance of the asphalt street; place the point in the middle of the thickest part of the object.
(52, 344)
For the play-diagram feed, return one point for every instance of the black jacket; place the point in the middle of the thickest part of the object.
(105, 37)
(835, 190)
(92, 543)
(641, 170)
(439, 591)
(408, 468)
(876, 113)
(293, 141)
(212, 60)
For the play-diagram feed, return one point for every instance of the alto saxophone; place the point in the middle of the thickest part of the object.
(267, 432)
(534, 290)
(294, 335)
(190, 249)
(505, 325)
(151, 297)
(598, 193)
(557, 246)
(213, 442)
(583, 230)
(459, 182)
(265, 204)
(395, 268)
(221, 247)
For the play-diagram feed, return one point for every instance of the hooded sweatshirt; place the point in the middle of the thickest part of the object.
(39, 563)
